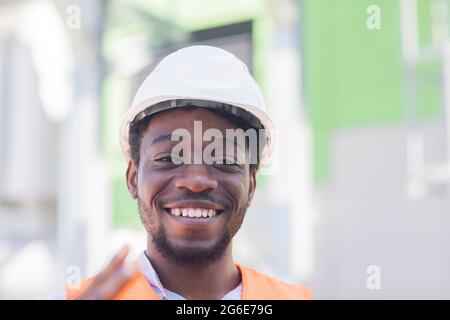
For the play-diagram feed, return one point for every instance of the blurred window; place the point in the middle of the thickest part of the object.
(235, 38)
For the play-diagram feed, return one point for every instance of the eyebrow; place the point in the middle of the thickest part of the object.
(165, 137)
(168, 137)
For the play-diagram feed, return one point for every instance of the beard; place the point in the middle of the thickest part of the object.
(187, 256)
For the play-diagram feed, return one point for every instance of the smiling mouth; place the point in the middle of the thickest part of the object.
(194, 213)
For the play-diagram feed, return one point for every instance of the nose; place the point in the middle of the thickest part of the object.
(196, 178)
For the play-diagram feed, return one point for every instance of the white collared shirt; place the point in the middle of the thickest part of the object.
(165, 294)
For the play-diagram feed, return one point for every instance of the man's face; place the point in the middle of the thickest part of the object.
(164, 189)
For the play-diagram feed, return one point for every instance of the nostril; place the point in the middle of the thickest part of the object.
(196, 183)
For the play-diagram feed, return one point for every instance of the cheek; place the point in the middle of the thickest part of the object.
(149, 185)
(238, 188)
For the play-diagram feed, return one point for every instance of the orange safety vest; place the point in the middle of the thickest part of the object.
(255, 286)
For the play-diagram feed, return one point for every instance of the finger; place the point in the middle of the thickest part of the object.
(114, 285)
(115, 263)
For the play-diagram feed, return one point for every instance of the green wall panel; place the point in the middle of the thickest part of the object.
(353, 75)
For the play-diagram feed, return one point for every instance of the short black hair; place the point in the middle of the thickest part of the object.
(138, 127)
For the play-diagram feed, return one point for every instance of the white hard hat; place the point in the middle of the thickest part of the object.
(203, 76)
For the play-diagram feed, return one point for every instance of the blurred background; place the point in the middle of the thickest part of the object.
(357, 201)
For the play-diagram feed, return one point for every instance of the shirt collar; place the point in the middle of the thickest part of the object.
(152, 277)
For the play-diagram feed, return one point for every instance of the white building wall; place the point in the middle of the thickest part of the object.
(366, 218)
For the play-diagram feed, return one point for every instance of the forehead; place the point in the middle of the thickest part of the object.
(168, 121)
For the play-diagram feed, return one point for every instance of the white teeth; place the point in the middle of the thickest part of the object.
(193, 212)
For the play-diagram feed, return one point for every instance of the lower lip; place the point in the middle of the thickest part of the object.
(195, 221)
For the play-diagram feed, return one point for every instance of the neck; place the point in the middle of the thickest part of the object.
(209, 282)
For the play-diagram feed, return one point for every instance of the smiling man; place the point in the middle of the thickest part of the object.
(192, 200)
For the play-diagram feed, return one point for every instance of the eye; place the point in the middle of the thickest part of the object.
(166, 159)
(226, 162)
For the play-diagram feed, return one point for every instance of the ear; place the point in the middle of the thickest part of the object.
(131, 178)
(252, 185)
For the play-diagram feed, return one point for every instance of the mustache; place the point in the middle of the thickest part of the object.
(187, 195)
